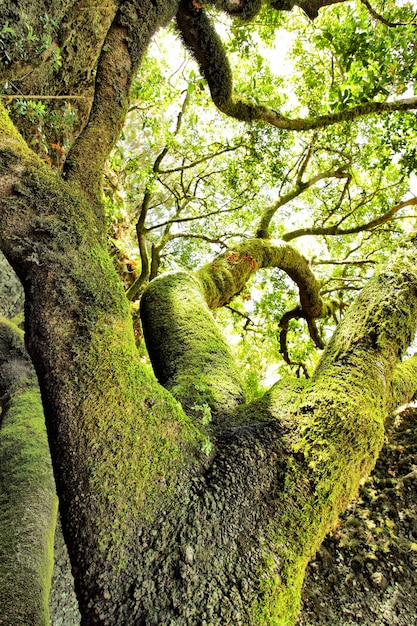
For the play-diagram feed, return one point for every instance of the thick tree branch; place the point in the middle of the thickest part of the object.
(206, 46)
(404, 385)
(117, 438)
(344, 407)
(189, 355)
(182, 337)
(322, 121)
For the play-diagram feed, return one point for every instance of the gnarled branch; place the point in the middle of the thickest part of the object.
(206, 46)
(227, 275)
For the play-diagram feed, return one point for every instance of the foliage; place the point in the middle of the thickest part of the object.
(197, 183)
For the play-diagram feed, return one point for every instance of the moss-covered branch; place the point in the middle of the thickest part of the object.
(183, 341)
(126, 42)
(227, 275)
(188, 352)
(28, 503)
(206, 46)
(404, 385)
(340, 418)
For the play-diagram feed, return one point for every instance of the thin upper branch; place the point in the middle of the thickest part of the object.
(335, 230)
(382, 19)
(268, 214)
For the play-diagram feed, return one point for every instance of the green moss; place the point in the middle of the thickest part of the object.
(338, 433)
(28, 508)
(12, 142)
(404, 382)
(188, 352)
(133, 436)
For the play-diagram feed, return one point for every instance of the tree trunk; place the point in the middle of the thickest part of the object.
(180, 505)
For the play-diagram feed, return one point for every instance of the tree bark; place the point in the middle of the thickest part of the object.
(169, 520)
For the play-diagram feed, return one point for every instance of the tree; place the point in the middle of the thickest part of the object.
(181, 503)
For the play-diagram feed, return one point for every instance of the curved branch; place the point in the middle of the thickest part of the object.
(227, 275)
(189, 355)
(206, 46)
(322, 121)
(335, 230)
(296, 314)
(182, 337)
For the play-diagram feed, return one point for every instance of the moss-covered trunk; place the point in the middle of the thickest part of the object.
(28, 503)
(117, 438)
(318, 440)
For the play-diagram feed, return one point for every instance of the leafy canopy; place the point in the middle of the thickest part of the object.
(185, 183)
